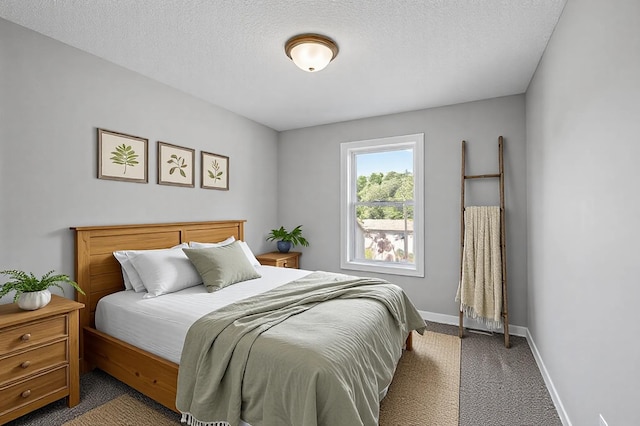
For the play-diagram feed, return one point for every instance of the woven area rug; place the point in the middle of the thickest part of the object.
(426, 387)
(124, 410)
(425, 391)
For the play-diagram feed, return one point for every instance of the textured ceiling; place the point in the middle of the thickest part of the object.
(395, 55)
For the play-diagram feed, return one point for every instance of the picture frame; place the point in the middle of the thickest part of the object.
(176, 165)
(215, 171)
(122, 157)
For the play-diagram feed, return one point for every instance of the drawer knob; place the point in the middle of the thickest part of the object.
(26, 337)
(26, 393)
(25, 364)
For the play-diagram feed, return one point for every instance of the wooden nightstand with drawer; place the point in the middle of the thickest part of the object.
(38, 357)
(281, 260)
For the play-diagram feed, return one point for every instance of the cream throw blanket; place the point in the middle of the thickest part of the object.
(480, 290)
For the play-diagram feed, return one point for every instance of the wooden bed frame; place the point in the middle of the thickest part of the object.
(99, 274)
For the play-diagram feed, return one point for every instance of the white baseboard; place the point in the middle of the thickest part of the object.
(564, 417)
(516, 330)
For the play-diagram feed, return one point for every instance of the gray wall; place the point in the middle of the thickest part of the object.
(583, 127)
(309, 190)
(52, 99)
(580, 200)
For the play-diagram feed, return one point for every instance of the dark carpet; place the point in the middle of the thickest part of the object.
(500, 386)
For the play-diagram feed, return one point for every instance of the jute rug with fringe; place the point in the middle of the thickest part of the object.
(425, 391)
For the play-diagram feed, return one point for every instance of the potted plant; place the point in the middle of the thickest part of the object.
(33, 293)
(287, 239)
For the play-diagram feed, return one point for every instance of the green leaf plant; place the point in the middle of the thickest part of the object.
(125, 156)
(294, 237)
(180, 165)
(216, 174)
(22, 282)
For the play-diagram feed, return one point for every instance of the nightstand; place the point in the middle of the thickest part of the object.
(282, 260)
(39, 360)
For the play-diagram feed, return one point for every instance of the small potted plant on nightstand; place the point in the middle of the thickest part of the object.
(287, 239)
(33, 293)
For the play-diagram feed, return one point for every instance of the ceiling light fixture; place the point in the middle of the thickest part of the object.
(311, 52)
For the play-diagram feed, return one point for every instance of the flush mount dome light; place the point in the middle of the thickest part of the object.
(311, 52)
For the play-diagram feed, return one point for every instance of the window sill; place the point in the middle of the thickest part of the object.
(391, 269)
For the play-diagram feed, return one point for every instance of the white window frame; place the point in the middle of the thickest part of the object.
(348, 180)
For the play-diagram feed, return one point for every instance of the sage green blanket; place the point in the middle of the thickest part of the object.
(320, 350)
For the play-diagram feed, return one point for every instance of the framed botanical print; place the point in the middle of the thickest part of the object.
(215, 171)
(122, 157)
(176, 165)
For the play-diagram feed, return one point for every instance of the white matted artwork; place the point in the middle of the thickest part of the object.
(215, 171)
(176, 165)
(122, 157)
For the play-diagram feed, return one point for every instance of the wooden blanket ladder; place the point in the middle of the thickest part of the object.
(503, 249)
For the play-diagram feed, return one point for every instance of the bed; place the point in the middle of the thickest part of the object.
(100, 275)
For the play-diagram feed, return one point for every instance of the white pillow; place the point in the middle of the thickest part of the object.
(132, 280)
(165, 271)
(247, 251)
(122, 258)
(194, 244)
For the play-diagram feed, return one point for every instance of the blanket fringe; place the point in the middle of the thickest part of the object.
(469, 312)
(192, 421)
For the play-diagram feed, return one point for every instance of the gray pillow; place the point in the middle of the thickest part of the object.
(221, 266)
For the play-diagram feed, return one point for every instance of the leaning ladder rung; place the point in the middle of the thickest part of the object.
(501, 210)
(494, 175)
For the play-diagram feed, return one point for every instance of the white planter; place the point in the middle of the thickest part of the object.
(34, 300)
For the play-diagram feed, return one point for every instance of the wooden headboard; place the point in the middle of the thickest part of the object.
(98, 273)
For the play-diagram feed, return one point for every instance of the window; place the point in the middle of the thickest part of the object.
(382, 209)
